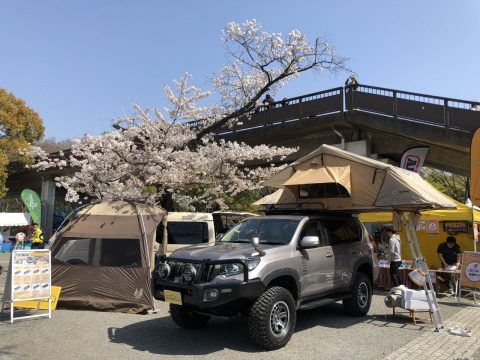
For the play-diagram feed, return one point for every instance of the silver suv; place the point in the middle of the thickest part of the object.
(267, 268)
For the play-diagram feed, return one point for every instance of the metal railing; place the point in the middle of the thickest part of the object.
(290, 110)
(404, 105)
(432, 110)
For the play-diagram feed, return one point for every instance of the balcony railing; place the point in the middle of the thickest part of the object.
(437, 111)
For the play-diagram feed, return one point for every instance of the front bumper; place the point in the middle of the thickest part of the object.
(196, 294)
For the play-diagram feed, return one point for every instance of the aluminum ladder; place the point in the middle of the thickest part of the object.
(420, 263)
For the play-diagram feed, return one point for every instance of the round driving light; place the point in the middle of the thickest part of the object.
(188, 273)
(212, 294)
(163, 271)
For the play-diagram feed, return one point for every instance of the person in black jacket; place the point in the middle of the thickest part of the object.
(449, 253)
(268, 101)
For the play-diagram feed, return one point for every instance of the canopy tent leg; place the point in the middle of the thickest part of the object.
(420, 263)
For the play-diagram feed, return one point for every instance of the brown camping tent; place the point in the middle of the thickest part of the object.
(335, 179)
(104, 257)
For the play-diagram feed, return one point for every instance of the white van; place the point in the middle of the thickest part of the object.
(190, 228)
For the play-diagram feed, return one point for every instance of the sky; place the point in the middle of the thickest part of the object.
(80, 64)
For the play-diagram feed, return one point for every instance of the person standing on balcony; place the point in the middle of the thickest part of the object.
(352, 82)
(268, 101)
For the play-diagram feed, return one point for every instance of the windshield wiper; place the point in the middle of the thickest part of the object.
(236, 241)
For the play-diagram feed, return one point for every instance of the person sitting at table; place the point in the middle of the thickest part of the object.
(394, 250)
(449, 254)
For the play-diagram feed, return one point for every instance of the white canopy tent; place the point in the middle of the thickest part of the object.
(14, 219)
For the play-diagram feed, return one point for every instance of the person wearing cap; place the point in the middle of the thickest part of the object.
(449, 253)
(394, 250)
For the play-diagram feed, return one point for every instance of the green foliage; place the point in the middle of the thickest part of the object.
(19, 126)
(450, 184)
(243, 201)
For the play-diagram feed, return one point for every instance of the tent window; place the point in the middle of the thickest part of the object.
(325, 190)
(100, 252)
(186, 232)
(343, 231)
(75, 252)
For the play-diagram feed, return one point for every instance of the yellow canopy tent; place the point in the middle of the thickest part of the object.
(429, 239)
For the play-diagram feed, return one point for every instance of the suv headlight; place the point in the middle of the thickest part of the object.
(235, 268)
(163, 271)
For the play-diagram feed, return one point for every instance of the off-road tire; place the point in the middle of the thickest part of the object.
(186, 318)
(261, 316)
(357, 304)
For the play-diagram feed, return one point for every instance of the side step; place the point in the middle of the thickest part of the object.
(322, 302)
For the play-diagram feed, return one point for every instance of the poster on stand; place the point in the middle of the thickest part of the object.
(31, 275)
(470, 277)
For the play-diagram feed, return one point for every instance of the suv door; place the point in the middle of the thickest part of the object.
(345, 237)
(318, 263)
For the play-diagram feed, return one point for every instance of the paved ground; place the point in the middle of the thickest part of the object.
(325, 333)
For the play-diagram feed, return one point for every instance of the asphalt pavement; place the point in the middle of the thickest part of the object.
(324, 333)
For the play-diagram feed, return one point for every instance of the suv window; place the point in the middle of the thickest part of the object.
(186, 232)
(343, 231)
(315, 228)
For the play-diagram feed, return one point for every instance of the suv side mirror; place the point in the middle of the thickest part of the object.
(219, 236)
(310, 242)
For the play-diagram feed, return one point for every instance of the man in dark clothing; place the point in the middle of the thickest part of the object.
(449, 253)
(268, 101)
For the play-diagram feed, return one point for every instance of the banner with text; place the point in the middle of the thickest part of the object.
(412, 159)
(32, 201)
(470, 270)
(475, 168)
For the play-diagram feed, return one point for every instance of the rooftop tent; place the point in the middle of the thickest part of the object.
(104, 257)
(335, 179)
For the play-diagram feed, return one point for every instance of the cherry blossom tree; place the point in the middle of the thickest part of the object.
(173, 155)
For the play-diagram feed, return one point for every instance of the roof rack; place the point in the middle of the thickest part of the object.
(299, 211)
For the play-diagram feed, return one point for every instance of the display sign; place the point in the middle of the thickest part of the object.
(432, 227)
(406, 264)
(456, 226)
(470, 276)
(41, 304)
(383, 263)
(475, 168)
(31, 275)
(421, 225)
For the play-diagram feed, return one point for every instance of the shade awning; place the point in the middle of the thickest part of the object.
(14, 219)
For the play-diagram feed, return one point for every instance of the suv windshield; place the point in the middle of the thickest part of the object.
(269, 231)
